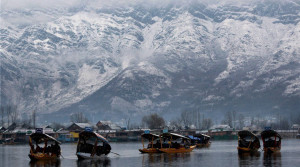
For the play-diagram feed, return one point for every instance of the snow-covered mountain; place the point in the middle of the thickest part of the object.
(126, 61)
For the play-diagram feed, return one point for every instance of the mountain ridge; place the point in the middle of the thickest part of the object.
(170, 59)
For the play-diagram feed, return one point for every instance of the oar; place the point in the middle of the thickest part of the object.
(62, 156)
(116, 153)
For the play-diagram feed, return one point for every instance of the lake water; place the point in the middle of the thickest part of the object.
(221, 153)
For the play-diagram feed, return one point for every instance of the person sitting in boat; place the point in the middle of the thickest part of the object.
(243, 143)
(105, 149)
(176, 145)
(165, 144)
(157, 144)
(56, 149)
(48, 149)
(269, 142)
(38, 149)
(150, 145)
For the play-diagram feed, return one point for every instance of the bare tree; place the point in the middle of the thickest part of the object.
(8, 113)
(228, 118)
(233, 118)
(284, 123)
(78, 118)
(33, 117)
(2, 115)
(186, 118)
(207, 123)
(176, 123)
(154, 121)
(14, 113)
(241, 121)
(128, 123)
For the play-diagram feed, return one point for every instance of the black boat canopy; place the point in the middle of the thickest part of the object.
(149, 136)
(245, 133)
(40, 137)
(174, 136)
(88, 134)
(269, 133)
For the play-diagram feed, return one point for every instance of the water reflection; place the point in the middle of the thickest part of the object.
(45, 163)
(273, 159)
(158, 159)
(221, 153)
(94, 163)
(249, 159)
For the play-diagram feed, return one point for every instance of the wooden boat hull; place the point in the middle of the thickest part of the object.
(246, 150)
(42, 156)
(149, 150)
(203, 145)
(272, 149)
(177, 150)
(81, 155)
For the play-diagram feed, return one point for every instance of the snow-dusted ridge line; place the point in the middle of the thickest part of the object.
(230, 51)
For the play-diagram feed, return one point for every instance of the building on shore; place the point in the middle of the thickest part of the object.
(64, 136)
(2, 129)
(107, 125)
(222, 132)
(16, 133)
(75, 128)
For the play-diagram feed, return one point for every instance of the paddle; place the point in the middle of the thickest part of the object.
(116, 153)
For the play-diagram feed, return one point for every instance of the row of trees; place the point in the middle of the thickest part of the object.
(188, 119)
(185, 121)
(234, 120)
(10, 115)
(78, 118)
(237, 121)
(153, 121)
(281, 123)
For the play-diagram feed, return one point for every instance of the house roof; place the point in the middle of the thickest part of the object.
(112, 126)
(83, 125)
(80, 125)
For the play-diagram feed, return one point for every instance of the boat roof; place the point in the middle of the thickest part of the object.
(193, 137)
(39, 136)
(201, 135)
(245, 133)
(269, 133)
(98, 136)
(174, 136)
(149, 136)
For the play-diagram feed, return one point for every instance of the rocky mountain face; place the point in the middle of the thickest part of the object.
(121, 62)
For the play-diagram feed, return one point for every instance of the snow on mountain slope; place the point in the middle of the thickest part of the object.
(137, 58)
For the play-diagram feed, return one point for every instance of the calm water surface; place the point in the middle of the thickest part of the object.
(221, 153)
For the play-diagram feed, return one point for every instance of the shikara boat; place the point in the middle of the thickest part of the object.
(151, 148)
(9, 141)
(271, 140)
(175, 143)
(91, 145)
(200, 140)
(49, 151)
(247, 142)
